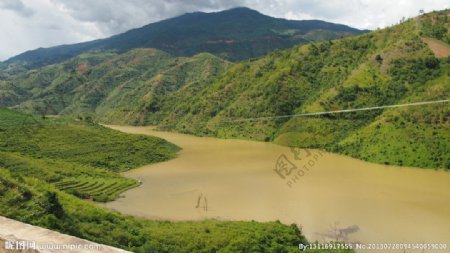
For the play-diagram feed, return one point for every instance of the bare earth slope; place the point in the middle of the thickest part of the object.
(439, 48)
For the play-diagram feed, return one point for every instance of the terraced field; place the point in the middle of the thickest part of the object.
(77, 157)
(97, 189)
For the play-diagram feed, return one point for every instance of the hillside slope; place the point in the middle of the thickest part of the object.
(235, 34)
(389, 66)
(111, 86)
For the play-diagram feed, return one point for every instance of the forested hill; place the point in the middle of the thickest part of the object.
(384, 67)
(106, 83)
(235, 34)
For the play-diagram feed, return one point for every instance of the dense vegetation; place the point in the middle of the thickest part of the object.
(436, 26)
(44, 163)
(205, 95)
(77, 157)
(235, 34)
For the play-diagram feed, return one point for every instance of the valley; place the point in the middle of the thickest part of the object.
(204, 133)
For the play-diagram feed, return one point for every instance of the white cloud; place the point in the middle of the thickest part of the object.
(362, 14)
(114, 16)
(28, 24)
(48, 26)
(16, 6)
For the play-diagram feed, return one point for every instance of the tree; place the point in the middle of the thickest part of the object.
(52, 204)
(432, 62)
(379, 59)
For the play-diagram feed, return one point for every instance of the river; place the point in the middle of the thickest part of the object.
(325, 193)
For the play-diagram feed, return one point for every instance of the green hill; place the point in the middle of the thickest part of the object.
(110, 85)
(47, 165)
(389, 66)
(235, 34)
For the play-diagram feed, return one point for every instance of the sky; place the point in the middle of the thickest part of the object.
(30, 24)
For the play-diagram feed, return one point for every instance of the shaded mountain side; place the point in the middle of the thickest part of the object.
(235, 34)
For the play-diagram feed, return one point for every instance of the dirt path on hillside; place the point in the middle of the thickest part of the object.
(439, 48)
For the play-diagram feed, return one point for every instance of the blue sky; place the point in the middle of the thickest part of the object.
(29, 24)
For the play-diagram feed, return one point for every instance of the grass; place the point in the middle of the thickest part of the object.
(97, 189)
(80, 142)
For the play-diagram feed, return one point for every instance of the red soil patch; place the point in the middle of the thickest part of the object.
(439, 48)
(82, 68)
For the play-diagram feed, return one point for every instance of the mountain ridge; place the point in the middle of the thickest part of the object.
(249, 33)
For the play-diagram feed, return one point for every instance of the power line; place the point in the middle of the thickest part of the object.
(341, 111)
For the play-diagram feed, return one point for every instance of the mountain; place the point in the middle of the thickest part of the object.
(235, 34)
(205, 95)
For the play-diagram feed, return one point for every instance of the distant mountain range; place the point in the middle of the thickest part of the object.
(234, 34)
(204, 94)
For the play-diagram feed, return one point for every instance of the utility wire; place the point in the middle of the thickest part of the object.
(341, 111)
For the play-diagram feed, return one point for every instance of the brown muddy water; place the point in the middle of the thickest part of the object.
(324, 192)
